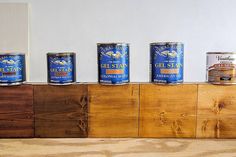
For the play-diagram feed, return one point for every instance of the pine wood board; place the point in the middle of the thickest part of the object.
(216, 111)
(117, 148)
(168, 111)
(113, 111)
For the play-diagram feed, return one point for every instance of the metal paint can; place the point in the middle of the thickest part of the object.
(221, 67)
(167, 62)
(61, 68)
(12, 69)
(113, 63)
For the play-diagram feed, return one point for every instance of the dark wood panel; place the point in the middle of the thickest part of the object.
(61, 111)
(16, 111)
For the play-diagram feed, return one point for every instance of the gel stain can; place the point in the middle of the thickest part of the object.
(12, 69)
(167, 62)
(61, 68)
(113, 63)
(221, 67)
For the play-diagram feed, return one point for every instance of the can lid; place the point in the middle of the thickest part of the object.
(60, 53)
(164, 43)
(221, 53)
(114, 43)
(12, 53)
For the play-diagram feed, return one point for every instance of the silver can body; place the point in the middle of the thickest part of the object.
(221, 68)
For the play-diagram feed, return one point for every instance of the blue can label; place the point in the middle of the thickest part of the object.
(113, 63)
(61, 69)
(167, 63)
(12, 68)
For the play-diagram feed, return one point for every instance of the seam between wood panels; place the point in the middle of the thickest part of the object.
(88, 112)
(34, 113)
(196, 107)
(139, 110)
(88, 109)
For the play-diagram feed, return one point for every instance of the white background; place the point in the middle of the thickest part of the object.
(77, 25)
(13, 27)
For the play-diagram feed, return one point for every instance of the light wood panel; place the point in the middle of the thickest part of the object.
(216, 111)
(168, 110)
(117, 148)
(113, 110)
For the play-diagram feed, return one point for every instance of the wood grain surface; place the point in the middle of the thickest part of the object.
(216, 111)
(61, 111)
(168, 111)
(113, 110)
(134, 110)
(117, 148)
(16, 111)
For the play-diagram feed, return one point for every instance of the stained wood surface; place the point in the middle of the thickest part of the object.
(16, 111)
(167, 111)
(61, 111)
(113, 110)
(134, 110)
(117, 148)
(216, 111)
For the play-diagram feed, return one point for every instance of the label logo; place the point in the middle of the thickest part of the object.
(225, 58)
(8, 62)
(58, 62)
(166, 53)
(116, 55)
(114, 52)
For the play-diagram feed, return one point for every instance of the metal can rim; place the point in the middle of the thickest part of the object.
(12, 53)
(62, 84)
(164, 43)
(221, 53)
(114, 84)
(221, 83)
(115, 43)
(12, 83)
(60, 53)
(171, 83)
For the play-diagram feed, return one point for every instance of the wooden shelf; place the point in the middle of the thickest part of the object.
(192, 110)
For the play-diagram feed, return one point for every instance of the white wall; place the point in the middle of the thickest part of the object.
(13, 28)
(77, 25)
